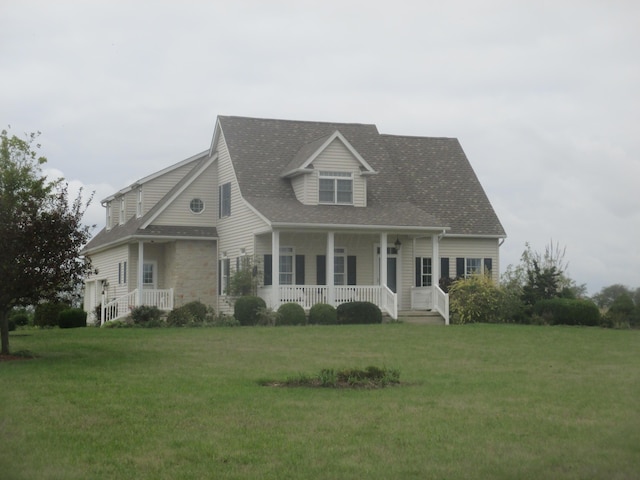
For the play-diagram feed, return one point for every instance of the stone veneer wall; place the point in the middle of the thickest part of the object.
(192, 271)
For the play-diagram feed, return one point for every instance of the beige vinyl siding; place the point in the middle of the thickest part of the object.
(471, 248)
(299, 185)
(203, 187)
(236, 231)
(154, 190)
(107, 265)
(336, 157)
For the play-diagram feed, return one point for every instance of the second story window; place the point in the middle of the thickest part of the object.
(139, 203)
(335, 188)
(108, 208)
(122, 210)
(224, 194)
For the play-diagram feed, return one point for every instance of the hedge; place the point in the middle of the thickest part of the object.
(358, 313)
(568, 311)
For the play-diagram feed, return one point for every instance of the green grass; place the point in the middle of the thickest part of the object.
(477, 401)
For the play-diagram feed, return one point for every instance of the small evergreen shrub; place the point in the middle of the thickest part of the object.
(246, 308)
(146, 316)
(20, 318)
(72, 318)
(192, 314)
(567, 311)
(323, 314)
(358, 313)
(291, 314)
(46, 314)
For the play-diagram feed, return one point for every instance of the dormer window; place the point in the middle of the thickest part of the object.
(335, 188)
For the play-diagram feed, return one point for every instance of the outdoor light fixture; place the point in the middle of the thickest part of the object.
(397, 243)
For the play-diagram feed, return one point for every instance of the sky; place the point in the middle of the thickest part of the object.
(544, 97)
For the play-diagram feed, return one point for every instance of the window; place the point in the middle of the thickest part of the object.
(122, 273)
(224, 194)
(340, 266)
(196, 205)
(148, 278)
(108, 215)
(336, 188)
(423, 272)
(473, 266)
(286, 266)
(122, 210)
(224, 273)
(139, 203)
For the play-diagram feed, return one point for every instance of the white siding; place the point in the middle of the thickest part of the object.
(471, 248)
(299, 185)
(236, 231)
(155, 189)
(107, 265)
(336, 157)
(204, 187)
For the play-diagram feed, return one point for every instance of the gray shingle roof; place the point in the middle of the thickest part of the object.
(423, 182)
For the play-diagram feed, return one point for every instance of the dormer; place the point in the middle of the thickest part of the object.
(329, 171)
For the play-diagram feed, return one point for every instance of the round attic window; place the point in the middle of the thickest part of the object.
(196, 205)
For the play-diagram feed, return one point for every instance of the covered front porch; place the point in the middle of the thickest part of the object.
(334, 267)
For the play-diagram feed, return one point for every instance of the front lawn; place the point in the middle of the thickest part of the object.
(476, 401)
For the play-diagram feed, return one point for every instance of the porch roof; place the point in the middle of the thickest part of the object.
(392, 214)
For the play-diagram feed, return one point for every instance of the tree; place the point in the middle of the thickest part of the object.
(41, 232)
(608, 295)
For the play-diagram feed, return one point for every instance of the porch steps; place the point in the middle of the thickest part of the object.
(422, 317)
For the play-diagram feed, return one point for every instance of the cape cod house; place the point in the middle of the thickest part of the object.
(330, 212)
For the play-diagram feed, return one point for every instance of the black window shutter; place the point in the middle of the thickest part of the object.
(418, 272)
(487, 265)
(227, 272)
(321, 269)
(268, 262)
(299, 269)
(220, 201)
(459, 267)
(219, 277)
(237, 264)
(444, 268)
(351, 270)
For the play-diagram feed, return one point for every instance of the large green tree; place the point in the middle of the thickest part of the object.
(40, 230)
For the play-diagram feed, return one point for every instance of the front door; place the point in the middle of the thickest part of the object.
(392, 268)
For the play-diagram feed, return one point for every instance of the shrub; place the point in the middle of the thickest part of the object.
(223, 321)
(246, 308)
(46, 314)
(291, 314)
(146, 316)
(117, 324)
(567, 311)
(358, 313)
(72, 318)
(190, 314)
(323, 314)
(20, 318)
(475, 299)
(266, 317)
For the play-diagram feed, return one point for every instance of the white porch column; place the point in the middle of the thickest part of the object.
(435, 267)
(275, 269)
(140, 270)
(383, 258)
(331, 291)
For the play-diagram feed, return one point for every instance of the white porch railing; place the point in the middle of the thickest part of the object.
(122, 306)
(308, 295)
(442, 304)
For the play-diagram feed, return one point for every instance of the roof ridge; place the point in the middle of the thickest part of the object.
(314, 122)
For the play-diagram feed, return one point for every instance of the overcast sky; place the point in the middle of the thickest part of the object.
(544, 96)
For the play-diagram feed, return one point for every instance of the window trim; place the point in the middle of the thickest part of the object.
(201, 205)
(335, 177)
(224, 200)
(108, 220)
(426, 279)
(467, 266)
(139, 203)
(154, 274)
(123, 213)
(287, 252)
(340, 252)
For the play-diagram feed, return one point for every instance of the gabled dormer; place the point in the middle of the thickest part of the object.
(329, 171)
